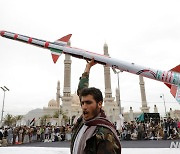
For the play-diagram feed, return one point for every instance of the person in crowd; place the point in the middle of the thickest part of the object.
(1, 136)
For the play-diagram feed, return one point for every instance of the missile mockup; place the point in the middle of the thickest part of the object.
(171, 78)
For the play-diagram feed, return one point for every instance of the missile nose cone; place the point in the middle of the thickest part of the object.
(2, 32)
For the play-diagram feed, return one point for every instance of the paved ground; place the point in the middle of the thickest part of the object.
(55, 150)
(124, 144)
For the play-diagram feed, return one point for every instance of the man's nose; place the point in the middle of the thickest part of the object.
(84, 106)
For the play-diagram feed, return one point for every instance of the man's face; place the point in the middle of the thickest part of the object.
(89, 107)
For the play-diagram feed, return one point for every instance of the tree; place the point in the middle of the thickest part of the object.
(9, 120)
(64, 116)
(18, 118)
(44, 119)
(56, 114)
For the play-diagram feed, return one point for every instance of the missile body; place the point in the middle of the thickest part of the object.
(171, 78)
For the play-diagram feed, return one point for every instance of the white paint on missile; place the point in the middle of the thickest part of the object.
(169, 77)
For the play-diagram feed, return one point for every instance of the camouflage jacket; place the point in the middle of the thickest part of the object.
(103, 140)
(83, 82)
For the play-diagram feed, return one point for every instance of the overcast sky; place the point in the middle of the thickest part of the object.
(144, 32)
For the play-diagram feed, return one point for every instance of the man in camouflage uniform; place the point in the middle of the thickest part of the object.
(93, 133)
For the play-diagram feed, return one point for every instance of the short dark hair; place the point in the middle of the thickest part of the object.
(96, 93)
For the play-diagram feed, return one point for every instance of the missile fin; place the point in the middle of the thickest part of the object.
(173, 90)
(54, 57)
(176, 69)
(65, 38)
(55, 54)
(168, 85)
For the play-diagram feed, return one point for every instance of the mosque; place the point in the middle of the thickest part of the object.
(70, 104)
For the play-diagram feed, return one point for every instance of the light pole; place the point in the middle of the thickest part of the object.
(60, 113)
(119, 92)
(4, 89)
(162, 96)
(119, 103)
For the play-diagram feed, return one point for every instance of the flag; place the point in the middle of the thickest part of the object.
(32, 123)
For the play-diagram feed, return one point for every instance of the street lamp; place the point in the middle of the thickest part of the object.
(162, 96)
(4, 89)
(60, 113)
(119, 103)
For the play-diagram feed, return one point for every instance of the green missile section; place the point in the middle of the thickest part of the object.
(56, 50)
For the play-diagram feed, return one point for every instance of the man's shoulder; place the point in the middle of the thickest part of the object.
(104, 133)
(102, 129)
(107, 140)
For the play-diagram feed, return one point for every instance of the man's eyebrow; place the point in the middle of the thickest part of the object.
(88, 101)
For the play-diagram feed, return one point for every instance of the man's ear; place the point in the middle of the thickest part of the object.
(100, 104)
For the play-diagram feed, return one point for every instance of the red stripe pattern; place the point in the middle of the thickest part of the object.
(30, 40)
(15, 36)
(46, 44)
(2, 33)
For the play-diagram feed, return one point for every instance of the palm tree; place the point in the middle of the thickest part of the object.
(64, 116)
(44, 119)
(9, 120)
(56, 114)
(18, 118)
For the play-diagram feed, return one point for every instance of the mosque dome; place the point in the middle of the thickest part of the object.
(75, 99)
(52, 103)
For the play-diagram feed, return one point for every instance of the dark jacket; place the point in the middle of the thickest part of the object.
(1, 135)
(103, 140)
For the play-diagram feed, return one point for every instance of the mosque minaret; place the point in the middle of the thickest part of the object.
(144, 108)
(155, 109)
(67, 75)
(107, 76)
(58, 94)
(110, 106)
(66, 98)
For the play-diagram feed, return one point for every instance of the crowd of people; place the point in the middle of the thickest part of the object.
(28, 134)
(165, 129)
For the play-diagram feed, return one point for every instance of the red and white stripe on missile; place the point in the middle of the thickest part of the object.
(171, 78)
